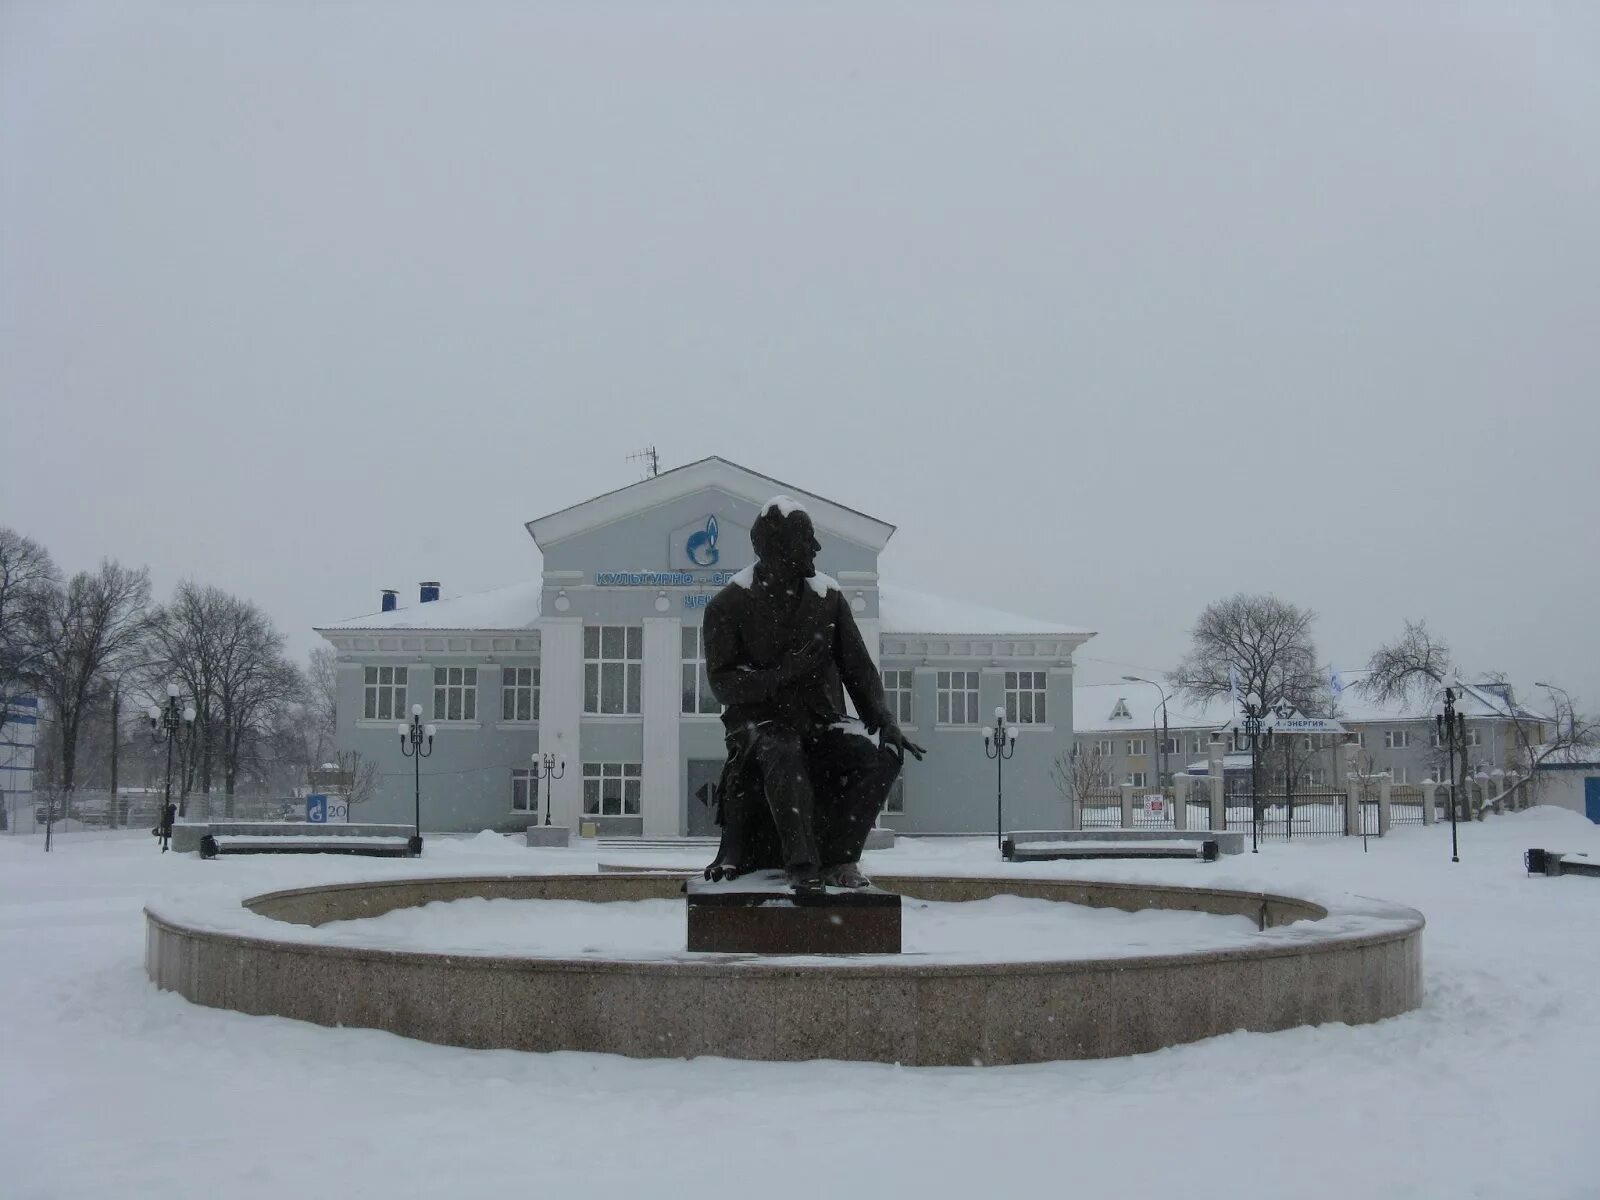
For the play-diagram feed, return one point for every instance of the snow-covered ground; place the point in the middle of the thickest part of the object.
(110, 1088)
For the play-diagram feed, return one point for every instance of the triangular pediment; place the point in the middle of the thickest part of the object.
(709, 476)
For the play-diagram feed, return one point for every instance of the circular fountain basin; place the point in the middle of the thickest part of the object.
(1349, 960)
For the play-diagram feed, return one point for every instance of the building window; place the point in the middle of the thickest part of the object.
(455, 693)
(385, 694)
(697, 697)
(1108, 747)
(519, 693)
(1025, 697)
(1197, 744)
(897, 694)
(1172, 745)
(524, 790)
(958, 697)
(1396, 739)
(1120, 711)
(1361, 739)
(611, 789)
(1399, 775)
(1315, 777)
(894, 804)
(1474, 737)
(1136, 747)
(1136, 778)
(612, 662)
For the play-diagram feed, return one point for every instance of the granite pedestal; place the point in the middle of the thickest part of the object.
(760, 914)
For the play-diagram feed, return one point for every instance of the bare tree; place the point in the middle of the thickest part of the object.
(358, 775)
(254, 683)
(1410, 668)
(27, 577)
(1265, 640)
(1080, 776)
(187, 636)
(96, 623)
(322, 695)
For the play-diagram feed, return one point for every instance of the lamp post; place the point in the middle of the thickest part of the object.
(167, 722)
(412, 737)
(1163, 768)
(546, 770)
(1452, 729)
(999, 743)
(1572, 717)
(1254, 712)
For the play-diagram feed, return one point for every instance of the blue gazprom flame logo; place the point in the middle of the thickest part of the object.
(702, 545)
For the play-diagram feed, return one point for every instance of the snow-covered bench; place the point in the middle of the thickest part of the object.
(1205, 851)
(186, 835)
(1551, 862)
(320, 842)
(1037, 845)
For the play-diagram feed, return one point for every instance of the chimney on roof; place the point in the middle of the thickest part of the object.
(391, 599)
(430, 591)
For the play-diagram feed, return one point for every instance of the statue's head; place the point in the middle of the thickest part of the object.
(784, 538)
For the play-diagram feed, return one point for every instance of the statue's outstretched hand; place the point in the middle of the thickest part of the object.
(891, 736)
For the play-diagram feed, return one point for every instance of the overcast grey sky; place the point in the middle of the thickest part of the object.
(1113, 308)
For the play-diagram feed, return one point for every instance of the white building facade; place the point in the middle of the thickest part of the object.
(600, 663)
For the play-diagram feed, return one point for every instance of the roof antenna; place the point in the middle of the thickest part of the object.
(652, 463)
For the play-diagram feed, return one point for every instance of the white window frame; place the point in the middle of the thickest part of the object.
(1399, 775)
(1172, 744)
(525, 784)
(1137, 748)
(1025, 697)
(1108, 747)
(458, 686)
(1397, 739)
(694, 685)
(1474, 737)
(958, 690)
(1119, 711)
(606, 658)
(601, 799)
(380, 685)
(898, 689)
(519, 692)
(1136, 779)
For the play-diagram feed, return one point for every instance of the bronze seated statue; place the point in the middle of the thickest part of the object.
(804, 781)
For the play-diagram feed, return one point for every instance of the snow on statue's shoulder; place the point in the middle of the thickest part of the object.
(745, 578)
(822, 584)
(783, 506)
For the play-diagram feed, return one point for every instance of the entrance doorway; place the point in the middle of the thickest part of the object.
(705, 775)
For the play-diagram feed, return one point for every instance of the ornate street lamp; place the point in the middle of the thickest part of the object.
(999, 743)
(1451, 727)
(1258, 737)
(546, 770)
(168, 723)
(411, 745)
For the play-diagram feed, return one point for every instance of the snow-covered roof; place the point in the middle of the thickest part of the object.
(513, 607)
(1109, 707)
(902, 610)
(517, 607)
(712, 472)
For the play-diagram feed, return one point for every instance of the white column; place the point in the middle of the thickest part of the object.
(1180, 801)
(660, 705)
(1127, 806)
(560, 708)
(1384, 798)
(1430, 792)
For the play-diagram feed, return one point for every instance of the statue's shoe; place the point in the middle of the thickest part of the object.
(846, 875)
(807, 880)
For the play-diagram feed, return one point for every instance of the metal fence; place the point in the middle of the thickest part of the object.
(1311, 813)
(89, 809)
(1102, 810)
(1405, 804)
